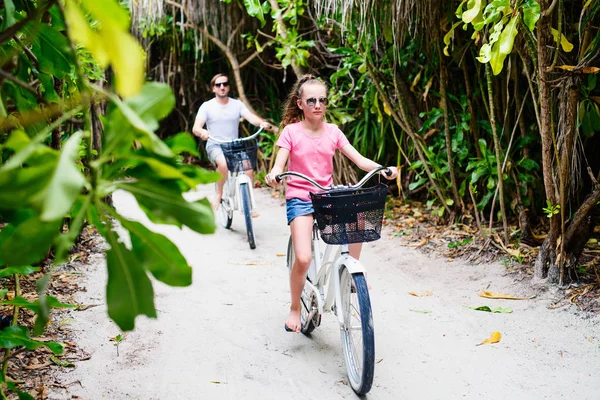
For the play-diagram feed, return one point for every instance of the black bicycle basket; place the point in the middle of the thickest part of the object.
(350, 216)
(240, 154)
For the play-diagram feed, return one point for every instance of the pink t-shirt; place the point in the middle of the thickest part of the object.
(311, 156)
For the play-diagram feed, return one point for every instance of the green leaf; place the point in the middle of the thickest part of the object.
(129, 291)
(153, 103)
(20, 394)
(507, 37)
(47, 85)
(65, 241)
(64, 185)
(35, 306)
(22, 270)
(14, 336)
(498, 310)
(52, 50)
(140, 122)
(27, 241)
(183, 142)
(162, 205)
(61, 363)
(158, 255)
(255, 9)
(9, 14)
(112, 43)
(473, 9)
(531, 13)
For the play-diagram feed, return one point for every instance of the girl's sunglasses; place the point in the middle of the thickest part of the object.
(311, 101)
(224, 84)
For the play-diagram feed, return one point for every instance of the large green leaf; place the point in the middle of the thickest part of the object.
(507, 37)
(183, 142)
(22, 270)
(112, 43)
(35, 306)
(9, 14)
(17, 187)
(531, 13)
(53, 52)
(168, 206)
(473, 9)
(64, 185)
(158, 255)
(27, 241)
(14, 336)
(124, 117)
(129, 291)
(154, 102)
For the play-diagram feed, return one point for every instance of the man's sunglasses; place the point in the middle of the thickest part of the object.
(222, 84)
(311, 101)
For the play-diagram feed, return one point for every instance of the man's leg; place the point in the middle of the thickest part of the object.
(221, 166)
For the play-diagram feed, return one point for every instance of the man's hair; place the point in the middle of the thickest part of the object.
(217, 76)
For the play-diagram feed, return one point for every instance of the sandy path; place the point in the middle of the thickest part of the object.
(223, 337)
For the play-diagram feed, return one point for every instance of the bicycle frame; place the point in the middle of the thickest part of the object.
(232, 189)
(322, 273)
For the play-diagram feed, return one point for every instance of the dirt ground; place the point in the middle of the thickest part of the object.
(223, 337)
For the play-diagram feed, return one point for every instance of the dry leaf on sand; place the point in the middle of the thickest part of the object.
(492, 295)
(422, 294)
(495, 338)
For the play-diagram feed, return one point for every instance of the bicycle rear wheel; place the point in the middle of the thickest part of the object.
(245, 192)
(225, 212)
(358, 338)
(308, 302)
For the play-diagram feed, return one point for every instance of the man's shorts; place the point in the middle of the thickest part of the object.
(297, 207)
(213, 151)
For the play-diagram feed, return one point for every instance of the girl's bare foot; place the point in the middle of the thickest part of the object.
(293, 322)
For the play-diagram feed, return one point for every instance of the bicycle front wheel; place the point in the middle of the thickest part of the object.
(225, 212)
(245, 192)
(358, 337)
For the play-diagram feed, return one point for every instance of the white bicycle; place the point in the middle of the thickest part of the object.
(240, 155)
(335, 280)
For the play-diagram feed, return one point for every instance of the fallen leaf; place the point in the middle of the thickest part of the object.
(218, 382)
(495, 338)
(419, 244)
(492, 310)
(422, 294)
(280, 255)
(421, 311)
(491, 295)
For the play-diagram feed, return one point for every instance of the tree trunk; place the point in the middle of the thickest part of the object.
(547, 255)
(445, 106)
(488, 73)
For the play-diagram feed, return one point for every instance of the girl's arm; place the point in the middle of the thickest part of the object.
(280, 161)
(363, 162)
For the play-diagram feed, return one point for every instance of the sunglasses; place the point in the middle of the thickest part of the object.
(222, 84)
(311, 101)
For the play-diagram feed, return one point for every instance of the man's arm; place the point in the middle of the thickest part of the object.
(258, 121)
(198, 130)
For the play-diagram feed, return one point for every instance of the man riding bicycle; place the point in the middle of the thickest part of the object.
(222, 117)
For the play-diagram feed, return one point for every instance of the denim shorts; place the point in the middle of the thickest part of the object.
(297, 207)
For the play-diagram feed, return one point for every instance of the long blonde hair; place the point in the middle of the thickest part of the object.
(291, 112)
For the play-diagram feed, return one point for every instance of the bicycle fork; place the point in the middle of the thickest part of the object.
(243, 178)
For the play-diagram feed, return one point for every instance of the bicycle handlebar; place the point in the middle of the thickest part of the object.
(235, 140)
(280, 177)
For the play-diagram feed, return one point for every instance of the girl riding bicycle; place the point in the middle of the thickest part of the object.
(309, 144)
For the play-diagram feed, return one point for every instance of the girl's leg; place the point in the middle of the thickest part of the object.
(301, 229)
(355, 249)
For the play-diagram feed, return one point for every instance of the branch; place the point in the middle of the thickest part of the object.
(18, 82)
(253, 55)
(549, 10)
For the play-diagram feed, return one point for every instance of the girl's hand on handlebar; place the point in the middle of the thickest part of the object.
(387, 175)
(271, 180)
